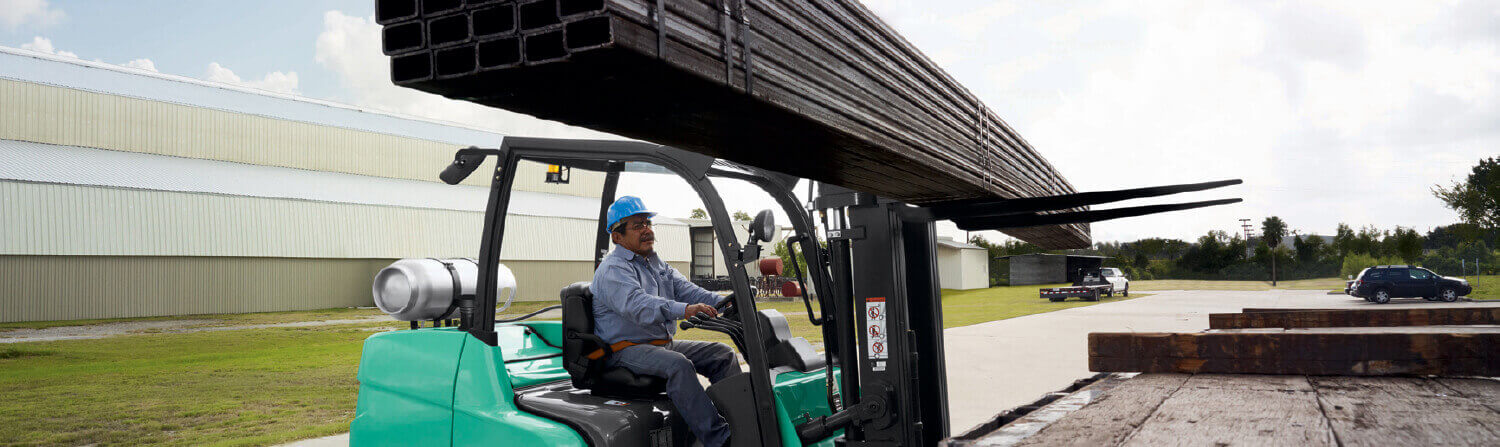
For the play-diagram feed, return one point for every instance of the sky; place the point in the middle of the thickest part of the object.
(1331, 111)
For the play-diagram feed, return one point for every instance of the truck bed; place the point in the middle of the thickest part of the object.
(1087, 291)
(1240, 409)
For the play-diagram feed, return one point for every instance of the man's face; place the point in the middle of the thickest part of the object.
(636, 234)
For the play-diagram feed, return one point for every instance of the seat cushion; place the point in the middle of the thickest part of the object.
(591, 374)
(620, 381)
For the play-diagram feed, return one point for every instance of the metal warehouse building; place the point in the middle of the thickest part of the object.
(1043, 268)
(129, 193)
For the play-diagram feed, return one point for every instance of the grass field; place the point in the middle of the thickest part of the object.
(267, 386)
(246, 319)
(1194, 284)
(251, 387)
(1486, 287)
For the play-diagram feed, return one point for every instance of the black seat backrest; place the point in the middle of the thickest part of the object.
(579, 340)
(578, 318)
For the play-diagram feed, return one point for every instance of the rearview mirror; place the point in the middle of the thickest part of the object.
(1351, 277)
(763, 227)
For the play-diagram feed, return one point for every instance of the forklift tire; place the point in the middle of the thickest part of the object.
(1111, 293)
(1055, 299)
(1125, 293)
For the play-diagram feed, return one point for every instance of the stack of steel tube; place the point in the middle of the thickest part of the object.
(822, 89)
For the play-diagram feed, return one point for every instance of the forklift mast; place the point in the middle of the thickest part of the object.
(887, 319)
(886, 315)
(876, 282)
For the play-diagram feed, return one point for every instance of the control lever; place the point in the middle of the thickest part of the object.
(720, 325)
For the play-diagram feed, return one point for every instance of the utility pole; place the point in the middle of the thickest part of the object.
(1249, 249)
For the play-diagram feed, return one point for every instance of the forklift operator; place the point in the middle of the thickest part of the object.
(637, 297)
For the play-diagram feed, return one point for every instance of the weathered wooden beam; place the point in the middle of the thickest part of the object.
(818, 89)
(1443, 351)
(1356, 318)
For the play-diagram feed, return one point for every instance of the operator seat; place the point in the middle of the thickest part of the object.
(579, 340)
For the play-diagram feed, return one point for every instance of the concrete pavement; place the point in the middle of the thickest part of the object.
(1002, 364)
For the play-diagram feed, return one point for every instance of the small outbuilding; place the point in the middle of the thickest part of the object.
(962, 266)
(1043, 268)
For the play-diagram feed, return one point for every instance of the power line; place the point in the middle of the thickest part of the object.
(1245, 223)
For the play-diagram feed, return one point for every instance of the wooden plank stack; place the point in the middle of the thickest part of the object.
(1208, 409)
(821, 89)
(1442, 342)
(1311, 318)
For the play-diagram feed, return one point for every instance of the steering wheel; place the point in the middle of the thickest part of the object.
(726, 306)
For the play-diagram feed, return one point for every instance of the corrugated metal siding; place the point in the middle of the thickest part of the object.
(53, 219)
(55, 115)
(78, 287)
(43, 288)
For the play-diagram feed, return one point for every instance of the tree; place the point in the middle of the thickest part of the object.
(1343, 240)
(786, 258)
(1367, 241)
(1477, 198)
(741, 215)
(1408, 244)
(1308, 248)
(1273, 228)
(698, 213)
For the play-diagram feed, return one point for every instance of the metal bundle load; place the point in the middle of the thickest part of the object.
(820, 89)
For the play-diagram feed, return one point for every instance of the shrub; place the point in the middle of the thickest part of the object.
(1355, 262)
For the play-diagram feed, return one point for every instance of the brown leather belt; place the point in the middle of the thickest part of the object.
(625, 344)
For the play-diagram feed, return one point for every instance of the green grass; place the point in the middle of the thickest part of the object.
(268, 386)
(1486, 287)
(966, 307)
(1195, 284)
(251, 387)
(960, 308)
(246, 319)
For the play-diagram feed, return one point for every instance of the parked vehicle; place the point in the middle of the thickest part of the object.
(1380, 283)
(1090, 285)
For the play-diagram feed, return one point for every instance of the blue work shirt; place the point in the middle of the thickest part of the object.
(637, 298)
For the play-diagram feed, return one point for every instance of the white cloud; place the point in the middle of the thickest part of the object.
(44, 45)
(350, 47)
(143, 64)
(1334, 112)
(275, 81)
(14, 13)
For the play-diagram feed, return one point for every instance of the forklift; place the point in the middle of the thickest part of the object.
(881, 380)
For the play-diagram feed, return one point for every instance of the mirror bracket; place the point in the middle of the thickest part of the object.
(750, 253)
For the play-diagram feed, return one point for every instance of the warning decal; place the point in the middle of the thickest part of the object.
(875, 342)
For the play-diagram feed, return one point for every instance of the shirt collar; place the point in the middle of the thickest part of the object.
(628, 255)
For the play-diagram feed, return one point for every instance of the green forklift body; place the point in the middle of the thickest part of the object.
(801, 397)
(441, 386)
(444, 387)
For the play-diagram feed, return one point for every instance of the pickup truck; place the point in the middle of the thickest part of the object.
(1090, 285)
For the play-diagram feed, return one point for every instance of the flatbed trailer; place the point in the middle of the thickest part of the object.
(1119, 409)
(1090, 292)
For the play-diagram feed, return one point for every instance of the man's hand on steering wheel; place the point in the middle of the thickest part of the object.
(695, 309)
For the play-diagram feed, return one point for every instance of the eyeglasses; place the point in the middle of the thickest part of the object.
(637, 226)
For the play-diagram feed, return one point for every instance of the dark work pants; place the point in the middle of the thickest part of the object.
(680, 362)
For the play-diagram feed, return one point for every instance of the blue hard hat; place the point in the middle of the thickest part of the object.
(626, 206)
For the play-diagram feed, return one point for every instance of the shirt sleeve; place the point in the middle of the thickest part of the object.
(621, 292)
(688, 292)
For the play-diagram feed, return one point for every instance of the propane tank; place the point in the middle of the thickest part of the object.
(419, 289)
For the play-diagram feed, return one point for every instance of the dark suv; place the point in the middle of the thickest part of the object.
(1380, 283)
